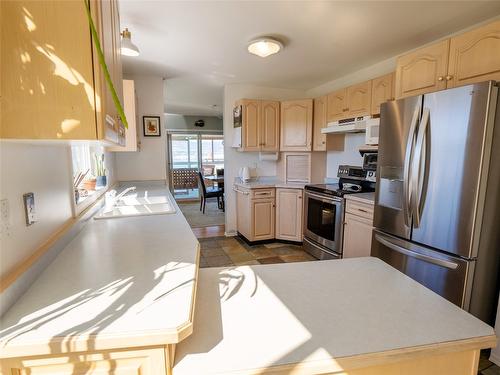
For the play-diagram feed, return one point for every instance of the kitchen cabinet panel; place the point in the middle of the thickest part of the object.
(382, 91)
(289, 211)
(251, 125)
(263, 219)
(475, 56)
(337, 105)
(359, 98)
(270, 126)
(296, 125)
(357, 236)
(52, 83)
(423, 70)
(319, 122)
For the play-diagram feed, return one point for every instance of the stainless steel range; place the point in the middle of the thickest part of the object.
(324, 210)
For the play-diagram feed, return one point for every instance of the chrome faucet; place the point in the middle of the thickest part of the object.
(119, 196)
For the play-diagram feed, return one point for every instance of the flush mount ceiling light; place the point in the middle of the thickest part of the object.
(264, 47)
(128, 48)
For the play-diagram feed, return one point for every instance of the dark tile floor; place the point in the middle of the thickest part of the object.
(233, 251)
(485, 366)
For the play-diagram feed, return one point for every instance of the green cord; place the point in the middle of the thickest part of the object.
(100, 54)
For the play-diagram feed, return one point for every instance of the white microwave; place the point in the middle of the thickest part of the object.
(372, 131)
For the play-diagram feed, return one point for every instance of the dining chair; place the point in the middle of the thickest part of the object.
(209, 193)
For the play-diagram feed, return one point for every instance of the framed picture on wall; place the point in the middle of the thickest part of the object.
(151, 126)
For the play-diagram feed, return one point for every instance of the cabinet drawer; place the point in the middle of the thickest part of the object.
(262, 193)
(359, 209)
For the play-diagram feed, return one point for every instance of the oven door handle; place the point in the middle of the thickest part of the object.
(323, 198)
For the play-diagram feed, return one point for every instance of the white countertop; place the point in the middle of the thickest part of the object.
(368, 198)
(269, 182)
(120, 282)
(320, 313)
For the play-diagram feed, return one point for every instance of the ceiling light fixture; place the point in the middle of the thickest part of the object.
(264, 47)
(127, 47)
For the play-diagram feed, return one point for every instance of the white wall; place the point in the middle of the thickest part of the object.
(150, 163)
(44, 170)
(233, 159)
(349, 156)
(184, 122)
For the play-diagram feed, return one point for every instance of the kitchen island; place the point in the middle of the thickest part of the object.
(353, 316)
(119, 296)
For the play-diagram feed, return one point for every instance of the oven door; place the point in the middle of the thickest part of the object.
(324, 218)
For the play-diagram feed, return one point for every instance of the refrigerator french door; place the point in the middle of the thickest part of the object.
(436, 174)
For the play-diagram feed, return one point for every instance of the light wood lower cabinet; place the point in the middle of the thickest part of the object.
(289, 212)
(148, 361)
(268, 213)
(358, 226)
(255, 216)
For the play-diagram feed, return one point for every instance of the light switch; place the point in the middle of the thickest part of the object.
(29, 208)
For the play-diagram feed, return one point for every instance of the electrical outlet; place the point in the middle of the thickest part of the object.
(4, 217)
(29, 208)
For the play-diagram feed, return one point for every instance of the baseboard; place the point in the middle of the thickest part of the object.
(231, 234)
(495, 358)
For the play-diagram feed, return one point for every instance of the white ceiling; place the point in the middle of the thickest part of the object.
(201, 45)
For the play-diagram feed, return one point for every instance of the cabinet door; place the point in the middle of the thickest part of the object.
(289, 214)
(270, 126)
(117, 74)
(46, 71)
(250, 133)
(263, 212)
(422, 71)
(243, 214)
(122, 362)
(357, 236)
(319, 122)
(296, 125)
(382, 91)
(337, 105)
(359, 99)
(475, 56)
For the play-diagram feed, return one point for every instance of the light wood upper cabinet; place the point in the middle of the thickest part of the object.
(423, 70)
(337, 106)
(260, 125)
(319, 122)
(296, 125)
(382, 91)
(250, 134)
(52, 87)
(359, 98)
(475, 56)
(289, 211)
(270, 126)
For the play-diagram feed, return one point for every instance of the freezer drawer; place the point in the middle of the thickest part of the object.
(445, 275)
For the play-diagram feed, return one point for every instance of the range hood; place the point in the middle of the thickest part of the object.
(348, 125)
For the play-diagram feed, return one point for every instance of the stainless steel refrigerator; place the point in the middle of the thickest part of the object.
(437, 205)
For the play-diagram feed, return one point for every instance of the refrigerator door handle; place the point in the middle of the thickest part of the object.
(418, 168)
(413, 254)
(410, 143)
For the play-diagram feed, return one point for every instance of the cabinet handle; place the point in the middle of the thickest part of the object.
(440, 78)
(300, 197)
(323, 142)
(345, 109)
(360, 209)
(449, 77)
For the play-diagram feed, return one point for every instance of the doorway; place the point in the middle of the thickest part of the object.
(190, 153)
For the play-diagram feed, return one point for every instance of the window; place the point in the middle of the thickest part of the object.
(89, 174)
